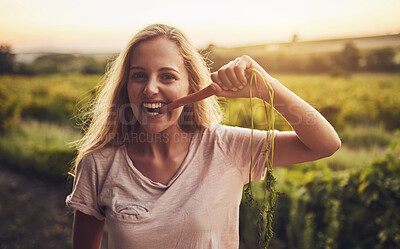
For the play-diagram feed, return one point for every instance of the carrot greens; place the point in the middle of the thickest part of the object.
(266, 206)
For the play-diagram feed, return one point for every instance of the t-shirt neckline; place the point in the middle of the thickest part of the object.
(156, 184)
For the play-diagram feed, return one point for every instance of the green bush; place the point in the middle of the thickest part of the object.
(370, 200)
(323, 209)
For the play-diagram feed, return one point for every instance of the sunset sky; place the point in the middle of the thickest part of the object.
(105, 26)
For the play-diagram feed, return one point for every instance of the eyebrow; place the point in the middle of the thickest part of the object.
(161, 69)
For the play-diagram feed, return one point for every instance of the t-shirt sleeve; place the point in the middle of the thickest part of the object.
(237, 141)
(85, 192)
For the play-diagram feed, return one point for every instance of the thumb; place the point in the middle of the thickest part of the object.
(217, 89)
(219, 92)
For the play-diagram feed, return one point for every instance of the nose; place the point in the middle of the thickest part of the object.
(151, 88)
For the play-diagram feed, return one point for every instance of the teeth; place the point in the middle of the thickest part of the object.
(155, 106)
(152, 105)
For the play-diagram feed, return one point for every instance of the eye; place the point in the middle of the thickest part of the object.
(167, 77)
(139, 76)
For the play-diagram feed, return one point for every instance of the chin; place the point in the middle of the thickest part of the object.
(158, 123)
(154, 129)
(157, 127)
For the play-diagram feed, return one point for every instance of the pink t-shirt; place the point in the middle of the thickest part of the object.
(198, 208)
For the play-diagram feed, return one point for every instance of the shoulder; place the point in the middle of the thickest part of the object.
(223, 134)
(108, 152)
(100, 159)
(218, 130)
(228, 132)
(235, 134)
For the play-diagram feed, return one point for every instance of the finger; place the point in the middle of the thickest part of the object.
(216, 87)
(222, 93)
(223, 77)
(240, 71)
(231, 74)
(216, 79)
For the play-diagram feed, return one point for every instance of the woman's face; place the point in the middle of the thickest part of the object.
(157, 76)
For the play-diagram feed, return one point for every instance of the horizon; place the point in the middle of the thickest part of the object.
(233, 47)
(94, 27)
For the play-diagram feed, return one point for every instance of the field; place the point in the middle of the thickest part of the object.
(39, 117)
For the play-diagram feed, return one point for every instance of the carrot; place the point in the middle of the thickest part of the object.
(191, 98)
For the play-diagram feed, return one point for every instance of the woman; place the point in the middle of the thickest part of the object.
(175, 180)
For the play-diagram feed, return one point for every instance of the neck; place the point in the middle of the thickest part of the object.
(164, 144)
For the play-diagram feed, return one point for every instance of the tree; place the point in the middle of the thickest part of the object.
(381, 60)
(350, 57)
(92, 66)
(7, 59)
(347, 60)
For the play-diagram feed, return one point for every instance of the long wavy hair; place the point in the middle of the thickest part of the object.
(110, 113)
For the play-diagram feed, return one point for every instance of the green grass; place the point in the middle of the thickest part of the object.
(359, 100)
(361, 145)
(362, 99)
(53, 98)
(39, 147)
(349, 158)
(366, 136)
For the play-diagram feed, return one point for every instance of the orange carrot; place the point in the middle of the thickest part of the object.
(191, 98)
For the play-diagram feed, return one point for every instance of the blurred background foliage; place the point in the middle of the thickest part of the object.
(349, 200)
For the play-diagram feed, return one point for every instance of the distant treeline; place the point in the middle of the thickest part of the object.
(349, 59)
(51, 63)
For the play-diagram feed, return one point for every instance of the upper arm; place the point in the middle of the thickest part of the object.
(87, 232)
(288, 149)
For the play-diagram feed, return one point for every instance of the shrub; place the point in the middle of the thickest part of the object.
(323, 209)
(7, 59)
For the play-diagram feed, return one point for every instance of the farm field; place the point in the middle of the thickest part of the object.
(39, 117)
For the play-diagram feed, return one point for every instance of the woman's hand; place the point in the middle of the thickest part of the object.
(233, 79)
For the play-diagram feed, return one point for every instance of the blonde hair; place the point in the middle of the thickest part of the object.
(109, 123)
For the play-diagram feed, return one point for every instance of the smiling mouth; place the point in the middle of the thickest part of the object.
(152, 109)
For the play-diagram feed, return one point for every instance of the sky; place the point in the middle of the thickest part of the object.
(97, 26)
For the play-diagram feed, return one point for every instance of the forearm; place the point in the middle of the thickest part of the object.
(87, 231)
(311, 127)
